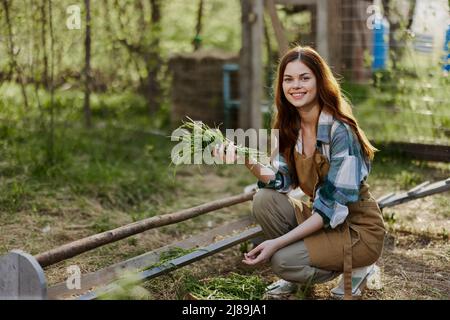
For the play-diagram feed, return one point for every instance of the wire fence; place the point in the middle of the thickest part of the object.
(406, 94)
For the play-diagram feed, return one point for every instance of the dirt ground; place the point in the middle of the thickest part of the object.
(415, 263)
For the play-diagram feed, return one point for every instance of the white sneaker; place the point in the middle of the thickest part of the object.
(359, 277)
(281, 288)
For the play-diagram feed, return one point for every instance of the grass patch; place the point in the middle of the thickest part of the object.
(127, 288)
(403, 173)
(444, 202)
(110, 165)
(232, 287)
(407, 179)
(305, 291)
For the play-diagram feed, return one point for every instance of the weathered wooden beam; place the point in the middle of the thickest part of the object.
(334, 37)
(385, 197)
(200, 253)
(250, 72)
(181, 261)
(417, 188)
(425, 190)
(322, 29)
(77, 247)
(280, 35)
(21, 277)
(106, 275)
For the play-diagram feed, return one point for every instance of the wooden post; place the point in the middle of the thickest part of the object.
(283, 44)
(335, 36)
(21, 277)
(77, 247)
(322, 29)
(251, 64)
(356, 39)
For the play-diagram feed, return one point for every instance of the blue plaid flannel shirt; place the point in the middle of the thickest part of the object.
(348, 169)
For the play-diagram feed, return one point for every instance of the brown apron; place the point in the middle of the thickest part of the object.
(357, 242)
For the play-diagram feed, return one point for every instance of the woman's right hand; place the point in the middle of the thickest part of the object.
(262, 253)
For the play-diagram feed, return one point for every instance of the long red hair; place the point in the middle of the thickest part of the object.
(330, 99)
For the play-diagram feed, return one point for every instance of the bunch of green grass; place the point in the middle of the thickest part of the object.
(169, 255)
(232, 287)
(198, 134)
(126, 288)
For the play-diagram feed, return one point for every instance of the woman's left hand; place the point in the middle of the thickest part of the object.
(262, 253)
(228, 154)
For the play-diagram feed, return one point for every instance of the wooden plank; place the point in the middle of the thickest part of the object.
(283, 44)
(385, 197)
(181, 261)
(430, 189)
(9, 277)
(32, 282)
(77, 247)
(101, 277)
(21, 277)
(416, 189)
(200, 253)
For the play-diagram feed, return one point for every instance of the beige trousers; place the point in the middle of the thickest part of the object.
(276, 214)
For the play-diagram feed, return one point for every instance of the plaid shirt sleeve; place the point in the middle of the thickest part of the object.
(341, 185)
(282, 182)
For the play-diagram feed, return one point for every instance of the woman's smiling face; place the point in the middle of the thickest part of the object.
(299, 84)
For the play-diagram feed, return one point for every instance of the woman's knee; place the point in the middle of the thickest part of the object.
(274, 212)
(283, 266)
(278, 263)
(261, 202)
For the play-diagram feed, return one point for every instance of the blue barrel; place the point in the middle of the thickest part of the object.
(380, 48)
(446, 65)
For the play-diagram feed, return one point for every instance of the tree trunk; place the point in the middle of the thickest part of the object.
(35, 74)
(51, 139)
(87, 67)
(197, 42)
(153, 61)
(13, 63)
(44, 44)
(411, 11)
(271, 57)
